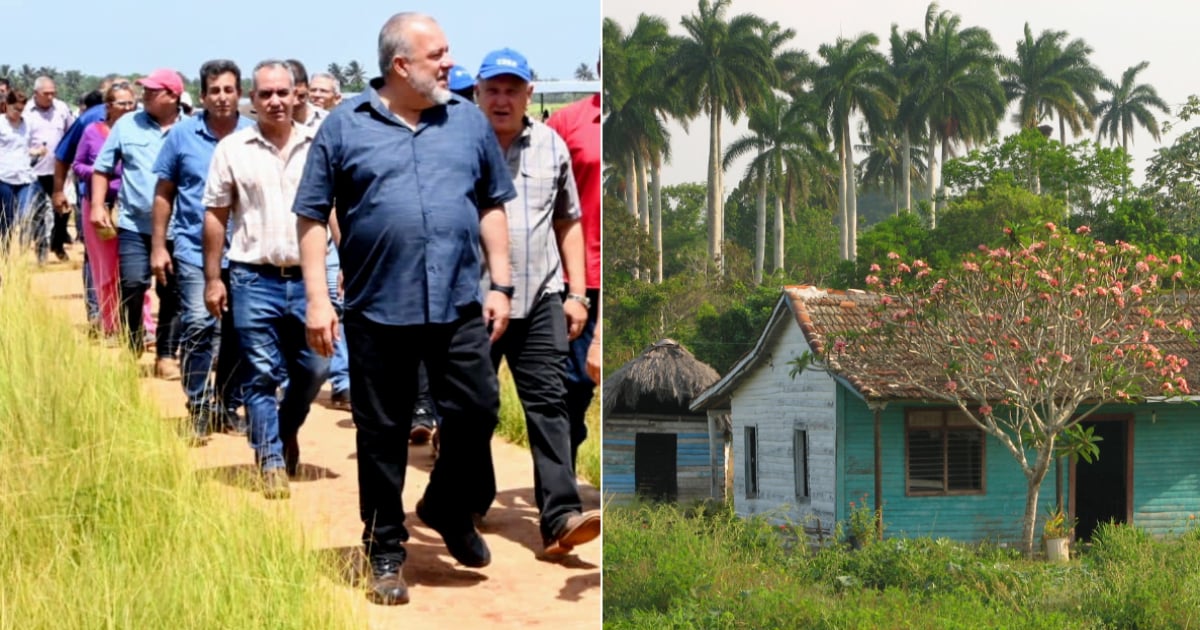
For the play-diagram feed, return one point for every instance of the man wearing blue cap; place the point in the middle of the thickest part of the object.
(462, 83)
(545, 236)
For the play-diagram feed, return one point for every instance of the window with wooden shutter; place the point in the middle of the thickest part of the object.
(944, 453)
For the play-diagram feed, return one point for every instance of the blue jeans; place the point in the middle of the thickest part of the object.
(134, 251)
(199, 335)
(14, 204)
(269, 317)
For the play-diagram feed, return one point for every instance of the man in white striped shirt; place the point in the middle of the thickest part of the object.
(545, 236)
(253, 178)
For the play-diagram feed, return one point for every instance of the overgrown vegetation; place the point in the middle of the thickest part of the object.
(103, 523)
(512, 428)
(666, 567)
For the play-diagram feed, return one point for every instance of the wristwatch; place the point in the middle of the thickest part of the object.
(504, 288)
(582, 299)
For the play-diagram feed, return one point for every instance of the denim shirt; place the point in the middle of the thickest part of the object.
(135, 141)
(408, 203)
(184, 160)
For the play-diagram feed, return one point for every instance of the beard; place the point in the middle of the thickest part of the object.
(429, 88)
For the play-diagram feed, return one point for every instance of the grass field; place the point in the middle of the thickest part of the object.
(103, 524)
(667, 568)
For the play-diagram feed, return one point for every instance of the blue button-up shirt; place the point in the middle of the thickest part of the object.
(408, 205)
(183, 161)
(65, 151)
(135, 140)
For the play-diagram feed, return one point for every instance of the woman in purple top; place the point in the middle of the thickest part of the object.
(102, 248)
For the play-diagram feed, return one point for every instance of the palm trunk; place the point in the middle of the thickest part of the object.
(779, 251)
(934, 172)
(851, 194)
(632, 187)
(845, 245)
(945, 156)
(715, 216)
(760, 225)
(643, 194)
(656, 200)
(906, 170)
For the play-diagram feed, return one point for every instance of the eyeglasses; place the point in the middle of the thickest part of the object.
(264, 95)
(125, 104)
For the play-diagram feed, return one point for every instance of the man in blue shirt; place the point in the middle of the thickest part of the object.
(135, 141)
(182, 170)
(419, 184)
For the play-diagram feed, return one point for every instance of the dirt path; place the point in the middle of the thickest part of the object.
(517, 591)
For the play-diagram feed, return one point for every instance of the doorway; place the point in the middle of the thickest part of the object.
(1101, 491)
(654, 471)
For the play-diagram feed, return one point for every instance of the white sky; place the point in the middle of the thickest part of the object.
(1122, 33)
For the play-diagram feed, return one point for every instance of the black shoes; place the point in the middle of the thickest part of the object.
(462, 540)
(387, 582)
(341, 401)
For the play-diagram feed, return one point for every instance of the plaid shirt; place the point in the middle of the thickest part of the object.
(540, 164)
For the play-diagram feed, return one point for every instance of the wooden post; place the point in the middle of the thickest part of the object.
(877, 408)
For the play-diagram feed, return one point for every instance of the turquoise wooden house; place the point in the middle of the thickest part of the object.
(805, 447)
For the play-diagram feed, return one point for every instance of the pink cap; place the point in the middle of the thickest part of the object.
(163, 79)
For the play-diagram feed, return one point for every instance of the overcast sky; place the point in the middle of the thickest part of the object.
(1122, 33)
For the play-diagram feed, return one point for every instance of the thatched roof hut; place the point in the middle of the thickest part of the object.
(661, 380)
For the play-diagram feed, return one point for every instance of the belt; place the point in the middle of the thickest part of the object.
(273, 271)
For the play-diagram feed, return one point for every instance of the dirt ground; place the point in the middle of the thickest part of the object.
(518, 590)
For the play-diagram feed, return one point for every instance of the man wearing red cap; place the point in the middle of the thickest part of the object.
(135, 141)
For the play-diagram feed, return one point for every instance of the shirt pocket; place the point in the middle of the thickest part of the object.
(536, 185)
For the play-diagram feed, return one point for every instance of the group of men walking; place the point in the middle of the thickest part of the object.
(408, 237)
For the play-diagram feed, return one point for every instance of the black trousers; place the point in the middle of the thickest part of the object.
(383, 386)
(536, 349)
(59, 237)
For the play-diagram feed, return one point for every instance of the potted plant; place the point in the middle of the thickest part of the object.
(1057, 533)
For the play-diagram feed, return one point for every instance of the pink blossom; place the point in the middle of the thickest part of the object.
(1096, 340)
(1121, 394)
(989, 356)
(1177, 275)
(1008, 230)
(1142, 267)
(1078, 313)
(922, 273)
(1083, 229)
(872, 280)
(893, 256)
(839, 345)
(919, 264)
(1064, 357)
(1175, 259)
(985, 410)
(1185, 324)
(970, 266)
(904, 268)
(951, 386)
(1145, 336)
(875, 267)
(886, 300)
(1050, 226)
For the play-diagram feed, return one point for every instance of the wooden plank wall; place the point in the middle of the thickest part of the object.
(691, 454)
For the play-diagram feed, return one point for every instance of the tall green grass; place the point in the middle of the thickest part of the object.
(665, 567)
(512, 427)
(103, 524)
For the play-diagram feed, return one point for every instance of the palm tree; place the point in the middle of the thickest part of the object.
(890, 162)
(356, 77)
(785, 142)
(337, 71)
(854, 78)
(958, 88)
(584, 72)
(1047, 78)
(720, 67)
(903, 50)
(635, 130)
(1127, 103)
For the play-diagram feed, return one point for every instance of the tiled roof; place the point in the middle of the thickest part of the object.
(871, 369)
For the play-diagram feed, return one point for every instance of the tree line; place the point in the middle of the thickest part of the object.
(863, 133)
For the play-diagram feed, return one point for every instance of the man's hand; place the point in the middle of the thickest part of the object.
(577, 317)
(101, 218)
(59, 199)
(160, 264)
(321, 322)
(214, 297)
(594, 360)
(496, 310)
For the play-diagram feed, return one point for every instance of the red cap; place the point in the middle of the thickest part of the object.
(163, 79)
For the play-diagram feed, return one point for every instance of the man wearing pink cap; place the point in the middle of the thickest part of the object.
(135, 141)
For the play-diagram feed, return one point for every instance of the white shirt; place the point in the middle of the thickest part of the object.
(258, 183)
(15, 160)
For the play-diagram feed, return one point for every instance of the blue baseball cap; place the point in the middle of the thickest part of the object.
(460, 78)
(505, 61)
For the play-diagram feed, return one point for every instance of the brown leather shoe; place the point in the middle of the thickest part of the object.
(166, 368)
(579, 529)
(275, 484)
(387, 583)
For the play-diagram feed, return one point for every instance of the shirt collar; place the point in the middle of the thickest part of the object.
(300, 135)
(373, 102)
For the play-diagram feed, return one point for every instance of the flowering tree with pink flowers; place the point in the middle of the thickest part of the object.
(1029, 338)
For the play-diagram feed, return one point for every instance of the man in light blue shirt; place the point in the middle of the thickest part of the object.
(135, 141)
(182, 171)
